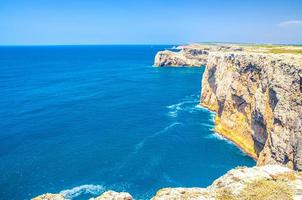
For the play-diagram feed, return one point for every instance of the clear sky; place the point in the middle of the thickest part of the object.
(35, 22)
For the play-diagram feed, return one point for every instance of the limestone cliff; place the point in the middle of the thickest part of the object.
(256, 94)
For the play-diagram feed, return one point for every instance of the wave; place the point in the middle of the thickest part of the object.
(83, 189)
(189, 104)
(177, 48)
(198, 106)
(141, 144)
(173, 109)
(211, 126)
(216, 136)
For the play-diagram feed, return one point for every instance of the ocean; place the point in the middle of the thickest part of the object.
(81, 120)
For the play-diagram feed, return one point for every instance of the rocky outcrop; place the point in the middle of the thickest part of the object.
(109, 195)
(270, 182)
(193, 55)
(49, 196)
(256, 94)
(112, 195)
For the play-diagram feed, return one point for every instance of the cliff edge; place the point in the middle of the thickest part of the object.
(256, 92)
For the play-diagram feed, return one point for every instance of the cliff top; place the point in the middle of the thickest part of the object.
(258, 48)
(285, 53)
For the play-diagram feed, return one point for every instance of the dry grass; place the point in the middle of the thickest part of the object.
(276, 49)
(262, 189)
(284, 50)
(288, 176)
(266, 190)
(225, 194)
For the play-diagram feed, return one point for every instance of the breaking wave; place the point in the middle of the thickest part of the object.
(210, 126)
(189, 104)
(216, 136)
(81, 190)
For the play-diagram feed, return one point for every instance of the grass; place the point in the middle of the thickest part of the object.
(277, 49)
(225, 194)
(267, 190)
(262, 189)
(288, 176)
(283, 50)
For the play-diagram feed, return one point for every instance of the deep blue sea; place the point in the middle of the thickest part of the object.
(84, 119)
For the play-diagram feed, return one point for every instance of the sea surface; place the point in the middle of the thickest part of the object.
(84, 119)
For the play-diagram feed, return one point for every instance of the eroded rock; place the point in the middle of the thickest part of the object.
(109, 195)
(49, 196)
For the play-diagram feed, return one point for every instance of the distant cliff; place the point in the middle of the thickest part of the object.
(256, 94)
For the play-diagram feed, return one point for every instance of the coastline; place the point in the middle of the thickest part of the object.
(238, 141)
(250, 105)
(255, 92)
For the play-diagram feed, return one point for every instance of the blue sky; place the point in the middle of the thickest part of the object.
(29, 22)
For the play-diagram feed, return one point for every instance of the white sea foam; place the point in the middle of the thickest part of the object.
(216, 136)
(141, 143)
(212, 117)
(188, 105)
(173, 109)
(176, 48)
(83, 189)
(211, 126)
(198, 106)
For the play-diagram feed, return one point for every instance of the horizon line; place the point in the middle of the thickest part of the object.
(145, 44)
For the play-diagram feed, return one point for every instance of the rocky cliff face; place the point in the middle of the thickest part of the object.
(256, 94)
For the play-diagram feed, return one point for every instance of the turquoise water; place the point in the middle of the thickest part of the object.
(84, 119)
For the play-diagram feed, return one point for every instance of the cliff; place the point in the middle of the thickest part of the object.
(256, 92)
